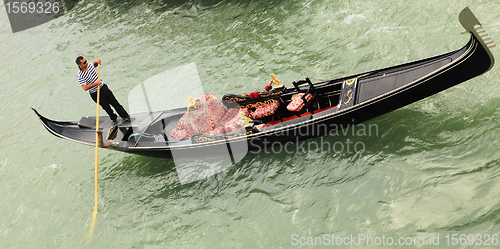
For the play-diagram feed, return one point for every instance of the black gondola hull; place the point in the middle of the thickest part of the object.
(362, 97)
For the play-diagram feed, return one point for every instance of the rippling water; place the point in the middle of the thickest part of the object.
(432, 167)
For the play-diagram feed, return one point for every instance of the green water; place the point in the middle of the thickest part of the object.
(431, 169)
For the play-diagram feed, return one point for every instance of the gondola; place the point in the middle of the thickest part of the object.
(319, 107)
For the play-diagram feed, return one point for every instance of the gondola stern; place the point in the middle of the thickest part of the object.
(47, 123)
(37, 113)
(43, 119)
(56, 128)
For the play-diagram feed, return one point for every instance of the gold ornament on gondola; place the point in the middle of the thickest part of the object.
(275, 81)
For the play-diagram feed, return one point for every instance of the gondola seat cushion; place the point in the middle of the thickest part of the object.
(297, 103)
(265, 110)
(232, 121)
(247, 112)
(209, 114)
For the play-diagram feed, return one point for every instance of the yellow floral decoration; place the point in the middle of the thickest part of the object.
(275, 81)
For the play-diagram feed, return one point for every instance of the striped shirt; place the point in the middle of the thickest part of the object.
(87, 78)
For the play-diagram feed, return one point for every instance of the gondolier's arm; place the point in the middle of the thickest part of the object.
(87, 87)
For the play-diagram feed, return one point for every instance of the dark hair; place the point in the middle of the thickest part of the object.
(78, 59)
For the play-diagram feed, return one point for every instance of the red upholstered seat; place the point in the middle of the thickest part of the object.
(247, 112)
(297, 104)
(265, 110)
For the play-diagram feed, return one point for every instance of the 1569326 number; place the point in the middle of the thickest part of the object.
(472, 239)
(32, 7)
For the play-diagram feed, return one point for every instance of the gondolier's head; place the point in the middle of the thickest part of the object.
(81, 62)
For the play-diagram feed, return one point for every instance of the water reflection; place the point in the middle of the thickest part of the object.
(69, 4)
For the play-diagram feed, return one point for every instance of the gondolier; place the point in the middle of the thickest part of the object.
(88, 79)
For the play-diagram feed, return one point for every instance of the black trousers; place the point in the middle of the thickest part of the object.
(107, 100)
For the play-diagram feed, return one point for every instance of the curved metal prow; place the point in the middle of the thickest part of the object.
(472, 25)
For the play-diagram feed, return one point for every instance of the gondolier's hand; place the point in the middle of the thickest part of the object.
(97, 61)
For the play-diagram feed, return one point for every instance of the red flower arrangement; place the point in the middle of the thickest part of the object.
(254, 95)
(268, 87)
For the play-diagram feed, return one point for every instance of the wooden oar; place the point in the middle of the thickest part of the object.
(96, 150)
